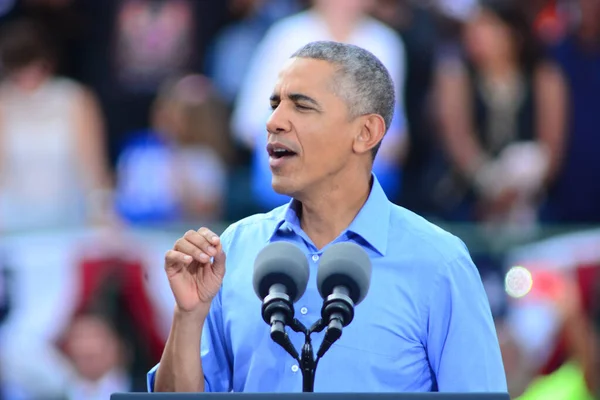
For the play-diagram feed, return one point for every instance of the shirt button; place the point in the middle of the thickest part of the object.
(315, 257)
(295, 368)
(303, 310)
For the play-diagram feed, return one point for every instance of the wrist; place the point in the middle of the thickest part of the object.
(474, 167)
(197, 315)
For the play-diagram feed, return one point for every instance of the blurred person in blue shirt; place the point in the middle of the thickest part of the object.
(187, 140)
(426, 323)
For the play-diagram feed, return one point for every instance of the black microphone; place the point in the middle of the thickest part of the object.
(280, 278)
(343, 280)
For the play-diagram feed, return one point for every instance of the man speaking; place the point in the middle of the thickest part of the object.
(425, 325)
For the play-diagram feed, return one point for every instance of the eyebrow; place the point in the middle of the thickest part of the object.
(296, 97)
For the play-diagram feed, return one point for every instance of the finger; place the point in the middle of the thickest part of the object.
(210, 236)
(219, 262)
(202, 241)
(187, 247)
(176, 259)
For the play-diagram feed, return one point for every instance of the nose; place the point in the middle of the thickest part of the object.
(279, 121)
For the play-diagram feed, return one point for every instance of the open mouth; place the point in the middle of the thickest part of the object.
(278, 151)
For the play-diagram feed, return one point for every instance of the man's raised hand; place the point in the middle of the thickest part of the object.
(195, 268)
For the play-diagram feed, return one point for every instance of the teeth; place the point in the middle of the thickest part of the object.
(280, 150)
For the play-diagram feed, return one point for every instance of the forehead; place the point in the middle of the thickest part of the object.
(306, 76)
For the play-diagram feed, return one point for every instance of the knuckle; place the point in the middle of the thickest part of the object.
(170, 258)
(189, 234)
(177, 245)
(207, 233)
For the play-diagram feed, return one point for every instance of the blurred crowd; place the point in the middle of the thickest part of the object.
(123, 116)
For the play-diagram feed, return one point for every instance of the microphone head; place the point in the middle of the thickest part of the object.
(283, 263)
(345, 264)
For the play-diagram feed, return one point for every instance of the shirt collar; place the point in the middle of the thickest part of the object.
(371, 223)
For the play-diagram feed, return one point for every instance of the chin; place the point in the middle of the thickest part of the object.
(284, 186)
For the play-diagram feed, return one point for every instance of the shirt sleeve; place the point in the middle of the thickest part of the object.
(217, 361)
(462, 343)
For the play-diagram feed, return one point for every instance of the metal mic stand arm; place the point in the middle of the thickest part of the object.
(308, 364)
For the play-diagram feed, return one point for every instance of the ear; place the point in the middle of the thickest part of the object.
(370, 134)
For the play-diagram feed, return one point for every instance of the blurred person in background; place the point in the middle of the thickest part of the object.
(60, 17)
(53, 170)
(517, 366)
(502, 117)
(574, 197)
(98, 355)
(103, 345)
(578, 378)
(131, 46)
(176, 170)
(419, 26)
(226, 67)
(238, 41)
(337, 20)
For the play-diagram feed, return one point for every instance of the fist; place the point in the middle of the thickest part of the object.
(195, 268)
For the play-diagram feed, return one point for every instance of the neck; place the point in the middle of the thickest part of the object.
(500, 69)
(339, 25)
(325, 217)
(29, 85)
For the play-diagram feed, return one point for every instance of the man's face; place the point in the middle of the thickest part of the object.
(313, 123)
(93, 347)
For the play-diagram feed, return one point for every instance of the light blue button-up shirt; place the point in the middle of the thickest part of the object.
(425, 324)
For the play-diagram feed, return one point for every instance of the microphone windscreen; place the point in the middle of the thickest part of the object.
(345, 264)
(283, 263)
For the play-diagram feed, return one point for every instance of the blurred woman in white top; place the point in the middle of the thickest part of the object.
(53, 171)
(345, 21)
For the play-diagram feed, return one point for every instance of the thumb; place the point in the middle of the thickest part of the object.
(219, 262)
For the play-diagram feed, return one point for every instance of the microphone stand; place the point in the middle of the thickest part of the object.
(337, 312)
(308, 363)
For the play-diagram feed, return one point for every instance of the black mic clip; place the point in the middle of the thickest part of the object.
(336, 313)
(278, 311)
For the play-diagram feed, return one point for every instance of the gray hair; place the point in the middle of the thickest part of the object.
(362, 80)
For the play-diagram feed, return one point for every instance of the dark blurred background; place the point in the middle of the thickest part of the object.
(124, 123)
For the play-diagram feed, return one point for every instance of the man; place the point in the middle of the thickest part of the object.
(425, 324)
(346, 21)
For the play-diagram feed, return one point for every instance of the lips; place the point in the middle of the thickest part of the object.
(279, 155)
(278, 150)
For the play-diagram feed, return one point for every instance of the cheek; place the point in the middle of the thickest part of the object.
(479, 39)
(485, 40)
(327, 150)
